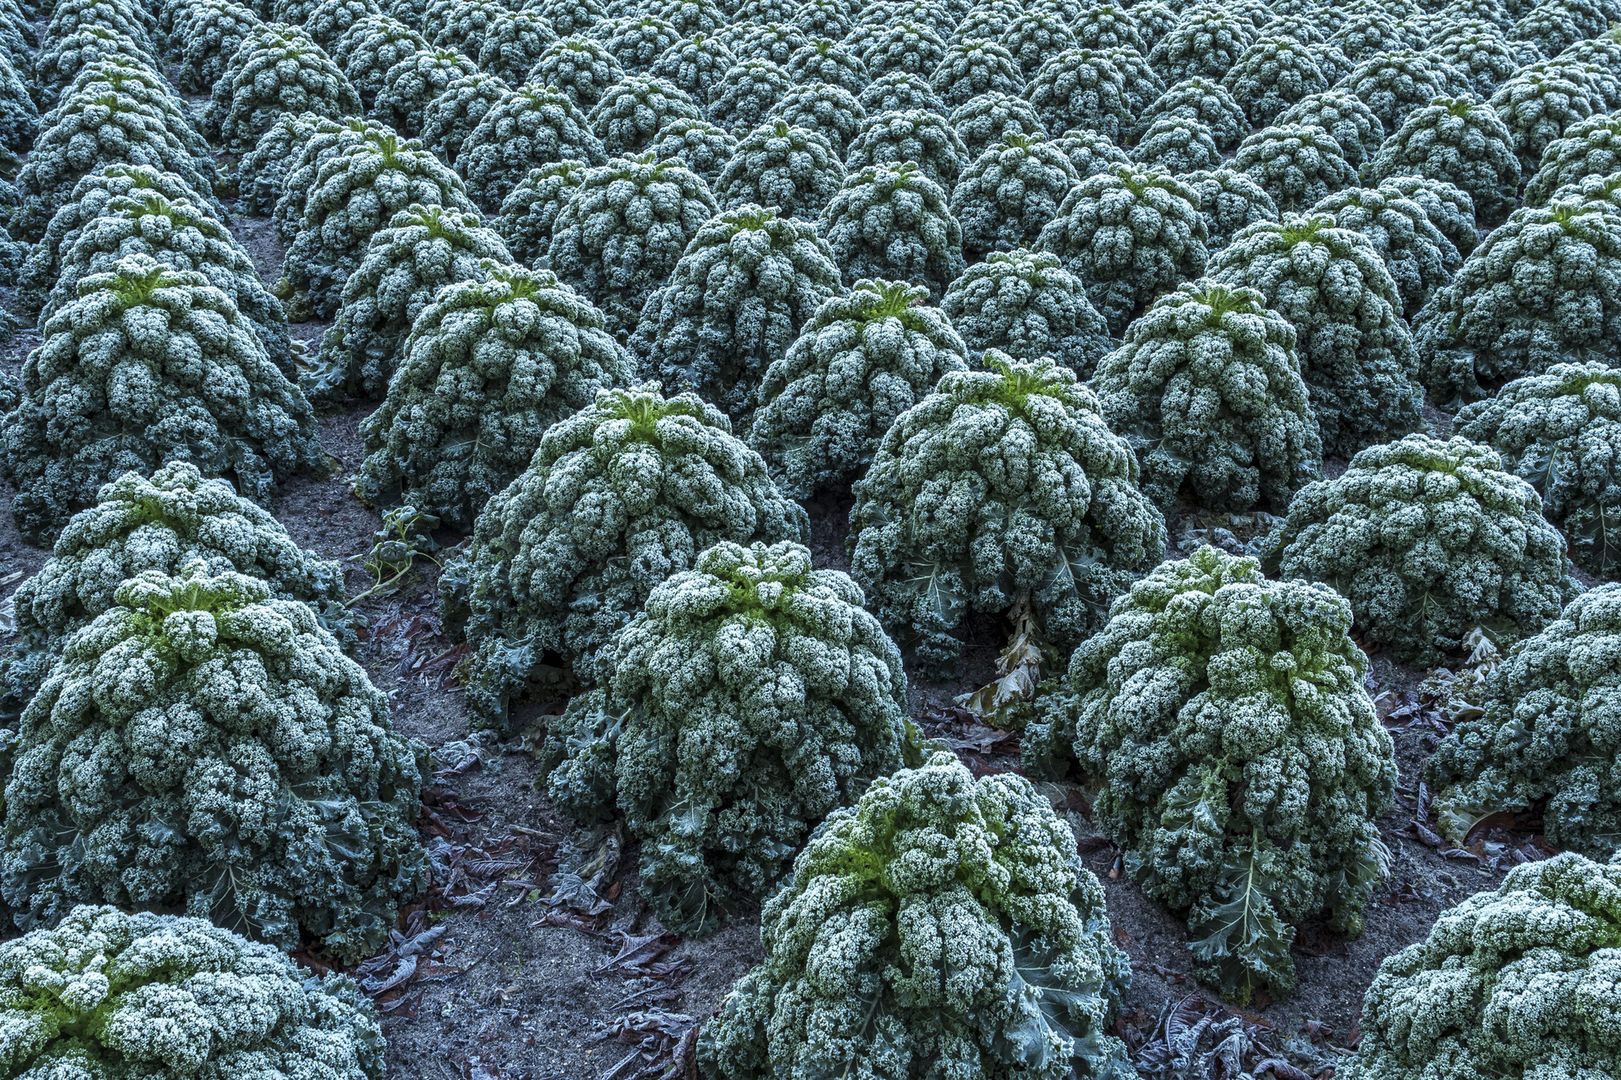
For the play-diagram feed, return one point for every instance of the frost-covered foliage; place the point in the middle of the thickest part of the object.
(1369, 32)
(352, 197)
(1418, 255)
(422, 249)
(275, 70)
(1395, 83)
(1081, 88)
(900, 91)
(1143, 86)
(569, 18)
(262, 172)
(451, 117)
(1235, 755)
(140, 82)
(776, 42)
(206, 747)
(134, 22)
(1177, 145)
(1229, 201)
(1542, 288)
(182, 236)
(56, 63)
(147, 365)
(788, 167)
(924, 139)
(1599, 60)
(827, 61)
(1271, 75)
(819, 18)
(1296, 164)
(894, 222)
(1109, 26)
(636, 42)
(1346, 119)
(105, 994)
(903, 46)
(1003, 487)
(632, 111)
(321, 143)
(89, 199)
(619, 497)
(330, 19)
(12, 254)
(747, 92)
(1009, 194)
(1355, 351)
(941, 924)
(1450, 208)
(19, 116)
(449, 23)
(580, 67)
(622, 231)
(412, 85)
(1206, 101)
(530, 210)
(862, 360)
(732, 305)
(18, 35)
(490, 364)
(1131, 234)
(1509, 981)
(1204, 45)
(752, 697)
(87, 130)
(1479, 52)
(1544, 738)
(830, 111)
(513, 43)
(1461, 141)
(531, 125)
(1427, 540)
(1554, 25)
(1589, 148)
(1538, 104)
(1560, 430)
(1207, 390)
(691, 17)
(695, 67)
(701, 146)
(974, 67)
(1036, 36)
(371, 48)
(1026, 304)
(985, 120)
(986, 21)
(163, 523)
(213, 30)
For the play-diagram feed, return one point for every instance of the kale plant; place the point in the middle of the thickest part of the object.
(490, 364)
(1427, 540)
(1003, 487)
(1221, 721)
(203, 746)
(619, 496)
(861, 360)
(751, 697)
(106, 995)
(941, 926)
(1207, 390)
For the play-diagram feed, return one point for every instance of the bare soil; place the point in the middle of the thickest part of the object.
(489, 978)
